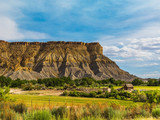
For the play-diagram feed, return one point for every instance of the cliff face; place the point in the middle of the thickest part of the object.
(35, 60)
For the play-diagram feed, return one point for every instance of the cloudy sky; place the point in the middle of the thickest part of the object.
(129, 30)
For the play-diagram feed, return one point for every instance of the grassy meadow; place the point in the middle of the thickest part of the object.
(147, 88)
(33, 100)
(46, 100)
(35, 106)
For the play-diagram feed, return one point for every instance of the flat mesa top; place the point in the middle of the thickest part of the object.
(50, 42)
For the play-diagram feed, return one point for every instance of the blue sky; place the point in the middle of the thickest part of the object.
(129, 30)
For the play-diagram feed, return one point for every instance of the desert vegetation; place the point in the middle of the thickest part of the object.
(19, 111)
(78, 105)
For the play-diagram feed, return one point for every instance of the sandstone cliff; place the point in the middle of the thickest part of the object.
(33, 60)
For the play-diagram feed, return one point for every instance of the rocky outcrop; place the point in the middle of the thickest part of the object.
(33, 60)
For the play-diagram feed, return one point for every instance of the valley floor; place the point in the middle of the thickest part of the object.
(37, 99)
(46, 97)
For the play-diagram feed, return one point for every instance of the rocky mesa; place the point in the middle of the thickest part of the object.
(33, 60)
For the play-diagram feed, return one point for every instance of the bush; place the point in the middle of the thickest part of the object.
(110, 86)
(38, 115)
(142, 97)
(93, 94)
(27, 86)
(39, 87)
(144, 113)
(8, 115)
(4, 94)
(30, 86)
(50, 87)
(5, 81)
(20, 108)
(65, 93)
(101, 96)
(112, 114)
(107, 94)
(95, 111)
(99, 92)
(18, 83)
(156, 112)
(74, 93)
(59, 112)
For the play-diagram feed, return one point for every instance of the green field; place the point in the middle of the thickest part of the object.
(33, 100)
(142, 87)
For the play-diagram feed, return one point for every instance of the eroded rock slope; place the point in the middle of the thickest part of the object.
(33, 60)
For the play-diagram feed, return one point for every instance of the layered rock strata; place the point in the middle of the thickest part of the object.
(33, 60)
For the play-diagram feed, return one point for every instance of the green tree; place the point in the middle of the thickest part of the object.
(137, 82)
(4, 94)
(5, 81)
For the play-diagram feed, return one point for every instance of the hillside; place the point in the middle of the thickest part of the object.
(33, 60)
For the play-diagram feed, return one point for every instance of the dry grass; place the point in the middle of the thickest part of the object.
(36, 92)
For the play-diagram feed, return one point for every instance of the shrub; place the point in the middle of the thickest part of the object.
(59, 112)
(30, 86)
(118, 97)
(112, 114)
(4, 94)
(27, 86)
(110, 86)
(39, 87)
(156, 112)
(18, 83)
(74, 93)
(50, 87)
(66, 86)
(107, 94)
(144, 113)
(5, 81)
(142, 97)
(38, 115)
(75, 114)
(101, 96)
(99, 92)
(95, 111)
(8, 115)
(65, 93)
(93, 94)
(20, 108)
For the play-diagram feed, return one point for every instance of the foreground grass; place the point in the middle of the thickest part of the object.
(31, 100)
(19, 111)
(142, 87)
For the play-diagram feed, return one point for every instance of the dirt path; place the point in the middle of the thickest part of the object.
(36, 92)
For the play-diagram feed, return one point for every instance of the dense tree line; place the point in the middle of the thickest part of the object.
(53, 82)
(136, 96)
(150, 82)
(87, 82)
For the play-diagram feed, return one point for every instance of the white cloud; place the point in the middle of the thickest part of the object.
(9, 28)
(118, 60)
(150, 30)
(127, 50)
(155, 74)
(148, 65)
(65, 4)
(9, 31)
(136, 45)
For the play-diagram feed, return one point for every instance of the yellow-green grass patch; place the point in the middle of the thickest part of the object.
(142, 87)
(31, 100)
